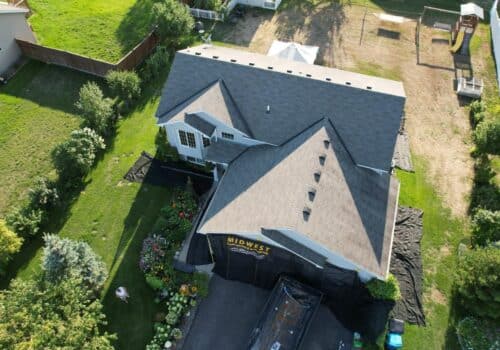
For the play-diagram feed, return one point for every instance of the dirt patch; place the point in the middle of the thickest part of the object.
(445, 251)
(437, 296)
(360, 39)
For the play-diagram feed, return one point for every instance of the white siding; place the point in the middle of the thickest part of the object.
(12, 26)
(173, 139)
(495, 36)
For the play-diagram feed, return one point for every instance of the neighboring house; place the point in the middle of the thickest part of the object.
(13, 24)
(303, 154)
(266, 4)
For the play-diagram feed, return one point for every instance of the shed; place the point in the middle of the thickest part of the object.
(471, 9)
(293, 51)
(13, 25)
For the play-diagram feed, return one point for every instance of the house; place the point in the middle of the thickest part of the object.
(13, 24)
(265, 4)
(303, 158)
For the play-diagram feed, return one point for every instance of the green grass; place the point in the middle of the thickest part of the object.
(101, 29)
(442, 234)
(377, 70)
(37, 112)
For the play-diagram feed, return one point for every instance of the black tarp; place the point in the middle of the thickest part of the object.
(406, 265)
(286, 316)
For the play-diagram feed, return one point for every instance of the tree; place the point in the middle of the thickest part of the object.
(487, 136)
(10, 244)
(485, 227)
(74, 158)
(478, 283)
(96, 110)
(43, 194)
(173, 20)
(37, 314)
(26, 221)
(155, 63)
(64, 258)
(125, 85)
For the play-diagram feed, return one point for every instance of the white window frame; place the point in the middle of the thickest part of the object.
(191, 143)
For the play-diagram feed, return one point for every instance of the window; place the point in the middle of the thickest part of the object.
(225, 135)
(187, 139)
(206, 142)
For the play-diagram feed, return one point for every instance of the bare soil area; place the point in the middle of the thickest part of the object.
(360, 39)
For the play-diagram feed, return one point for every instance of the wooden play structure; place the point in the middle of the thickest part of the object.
(462, 33)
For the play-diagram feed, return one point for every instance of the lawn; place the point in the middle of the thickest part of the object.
(101, 29)
(37, 112)
(442, 234)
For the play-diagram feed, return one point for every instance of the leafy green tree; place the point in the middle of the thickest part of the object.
(487, 136)
(10, 244)
(37, 314)
(95, 108)
(485, 227)
(478, 283)
(43, 194)
(74, 158)
(64, 258)
(385, 290)
(126, 85)
(25, 221)
(478, 334)
(173, 19)
(155, 63)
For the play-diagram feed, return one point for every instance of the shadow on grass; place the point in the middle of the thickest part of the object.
(456, 314)
(48, 86)
(132, 321)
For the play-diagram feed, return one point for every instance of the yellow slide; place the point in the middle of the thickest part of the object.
(458, 42)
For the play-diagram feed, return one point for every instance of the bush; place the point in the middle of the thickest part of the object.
(477, 282)
(477, 106)
(213, 5)
(201, 282)
(74, 158)
(486, 196)
(125, 85)
(485, 227)
(10, 244)
(154, 282)
(155, 63)
(96, 110)
(43, 195)
(487, 136)
(26, 221)
(164, 151)
(475, 334)
(385, 290)
(37, 314)
(173, 19)
(64, 258)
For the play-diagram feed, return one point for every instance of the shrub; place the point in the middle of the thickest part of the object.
(487, 136)
(176, 333)
(43, 195)
(10, 244)
(74, 158)
(213, 5)
(125, 85)
(96, 110)
(385, 290)
(64, 258)
(155, 63)
(477, 282)
(485, 227)
(173, 20)
(477, 106)
(476, 334)
(26, 221)
(36, 314)
(172, 318)
(201, 282)
(486, 196)
(164, 151)
(154, 282)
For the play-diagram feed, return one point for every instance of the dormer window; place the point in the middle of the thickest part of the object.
(227, 136)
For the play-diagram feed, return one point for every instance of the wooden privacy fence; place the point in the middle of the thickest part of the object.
(86, 64)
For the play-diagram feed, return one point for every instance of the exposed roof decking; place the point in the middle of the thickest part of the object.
(366, 112)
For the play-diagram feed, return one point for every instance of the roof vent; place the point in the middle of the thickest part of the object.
(289, 71)
(197, 53)
(326, 143)
(317, 176)
(252, 64)
(322, 159)
(233, 60)
(369, 87)
(270, 67)
(216, 57)
(328, 79)
(348, 83)
(308, 75)
(311, 194)
(306, 213)
(268, 109)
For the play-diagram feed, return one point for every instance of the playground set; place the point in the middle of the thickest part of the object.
(461, 27)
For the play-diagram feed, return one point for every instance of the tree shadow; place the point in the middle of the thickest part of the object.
(456, 314)
(48, 86)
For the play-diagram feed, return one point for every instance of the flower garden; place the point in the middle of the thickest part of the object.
(178, 292)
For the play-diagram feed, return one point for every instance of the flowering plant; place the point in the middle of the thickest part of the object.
(154, 250)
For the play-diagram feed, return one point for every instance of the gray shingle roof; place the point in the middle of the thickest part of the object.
(267, 187)
(366, 110)
(199, 123)
(222, 151)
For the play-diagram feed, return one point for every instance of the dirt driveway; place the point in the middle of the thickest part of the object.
(360, 39)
